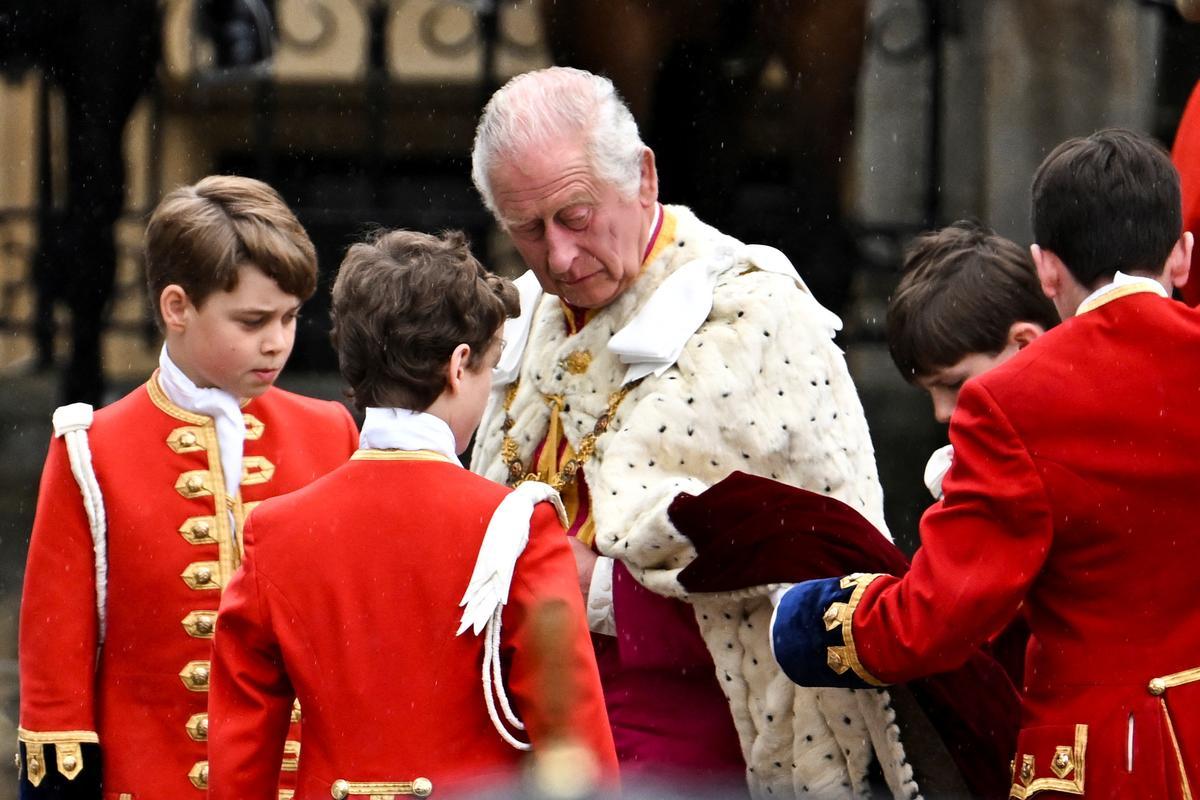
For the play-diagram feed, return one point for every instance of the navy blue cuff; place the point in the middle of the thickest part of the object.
(812, 633)
(43, 773)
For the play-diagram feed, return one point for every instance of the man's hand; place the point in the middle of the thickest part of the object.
(585, 563)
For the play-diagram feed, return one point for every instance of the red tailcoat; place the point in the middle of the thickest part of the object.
(170, 550)
(1073, 499)
(349, 597)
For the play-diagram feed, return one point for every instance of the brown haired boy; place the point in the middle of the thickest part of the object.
(140, 512)
(364, 633)
(969, 300)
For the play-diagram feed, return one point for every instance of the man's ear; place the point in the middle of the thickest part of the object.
(175, 306)
(648, 183)
(1179, 262)
(1022, 332)
(1049, 270)
(457, 369)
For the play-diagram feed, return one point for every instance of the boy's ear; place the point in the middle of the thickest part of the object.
(457, 369)
(1179, 262)
(174, 305)
(1022, 332)
(1049, 270)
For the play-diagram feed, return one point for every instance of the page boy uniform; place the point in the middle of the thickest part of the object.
(349, 596)
(124, 577)
(1071, 500)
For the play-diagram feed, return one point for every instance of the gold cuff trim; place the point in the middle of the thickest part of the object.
(398, 455)
(35, 763)
(256, 470)
(202, 575)
(195, 676)
(841, 615)
(1159, 685)
(57, 737)
(197, 727)
(1066, 759)
(419, 787)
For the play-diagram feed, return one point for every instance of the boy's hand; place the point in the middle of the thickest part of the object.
(585, 563)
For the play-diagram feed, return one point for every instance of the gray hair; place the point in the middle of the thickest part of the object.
(537, 106)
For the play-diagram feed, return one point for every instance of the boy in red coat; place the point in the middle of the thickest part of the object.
(140, 511)
(1071, 500)
(351, 594)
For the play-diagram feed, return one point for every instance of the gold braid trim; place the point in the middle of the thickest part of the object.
(518, 473)
(842, 614)
(1065, 760)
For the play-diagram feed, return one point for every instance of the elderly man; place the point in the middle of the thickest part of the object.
(654, 355)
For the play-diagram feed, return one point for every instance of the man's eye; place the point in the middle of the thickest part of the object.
(251, 322)
(575, 221)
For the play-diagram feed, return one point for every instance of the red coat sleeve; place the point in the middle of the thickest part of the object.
(981, 549)
(545, 577)
(250, 697)
(59, 630)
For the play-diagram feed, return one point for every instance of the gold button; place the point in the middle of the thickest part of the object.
(187, 439)
(340, 789)
(194, 484)
(422, 787)
(69, 763)
(33, 763)
(200, 676)
(204, 624)
(202, 726)
(203, 575)
(200, 529)
(1157, 686)
(204, 774)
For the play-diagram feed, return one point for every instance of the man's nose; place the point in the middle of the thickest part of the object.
(561, 250)
(943, 406)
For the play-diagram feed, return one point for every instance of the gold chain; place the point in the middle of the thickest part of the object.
(518, 473)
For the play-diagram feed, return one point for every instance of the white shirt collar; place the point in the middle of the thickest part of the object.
(224, 408)
(401, 429)
(1120, 279)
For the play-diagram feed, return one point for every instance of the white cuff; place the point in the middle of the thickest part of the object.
(600, 599)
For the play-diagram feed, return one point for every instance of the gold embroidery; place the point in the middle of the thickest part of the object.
(841, 615)
(256, 470)
(189, 439)
(70, 759)
(164, 404)
(1066, 759)
(577, 362)
(195, 676)
(1159, 685)
(560, 479)
(1114, 294)
(198, 530)
(254, 427)
(287, 794)
(35, 763)
(198, 775)
(291, 756)
(200, 624)
(296, 710)
(1184, 784)
(202, 575)
(193, 483)
(399, 455)
(197, 727)
(419, 787)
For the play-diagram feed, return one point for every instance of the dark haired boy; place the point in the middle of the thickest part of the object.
(1071, 501)
(140, 510)
(351, 593)
(968, 301)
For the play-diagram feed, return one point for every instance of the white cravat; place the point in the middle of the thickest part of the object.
(1121, 280)
(224, 408)
(401, 429)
